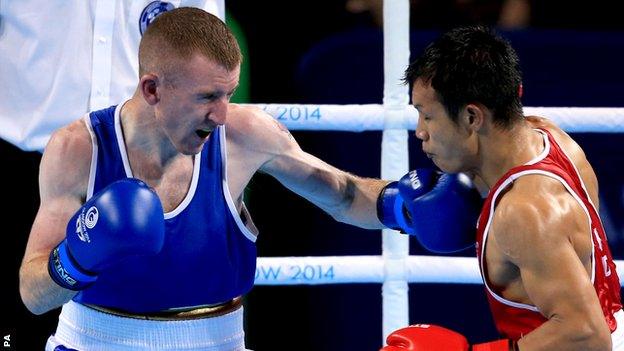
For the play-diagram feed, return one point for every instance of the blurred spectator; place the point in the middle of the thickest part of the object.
(597, 15)
(507, 14)
(514, 14)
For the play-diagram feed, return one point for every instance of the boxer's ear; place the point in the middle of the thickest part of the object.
(148, 86)
(473, 116)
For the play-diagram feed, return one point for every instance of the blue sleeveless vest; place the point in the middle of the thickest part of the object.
(209, 256)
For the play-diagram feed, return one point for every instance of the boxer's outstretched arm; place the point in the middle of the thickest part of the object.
(538, 232)
(63, 177)
(346, 197)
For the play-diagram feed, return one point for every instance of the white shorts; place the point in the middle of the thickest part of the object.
(85, 329)
(617, 337)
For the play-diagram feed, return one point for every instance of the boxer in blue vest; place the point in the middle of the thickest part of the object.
(142, 235)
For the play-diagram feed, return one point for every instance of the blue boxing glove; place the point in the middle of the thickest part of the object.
(391, 209)
(124, 219)
(440, 209)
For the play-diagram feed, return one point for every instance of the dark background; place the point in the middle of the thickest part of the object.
(317, 52)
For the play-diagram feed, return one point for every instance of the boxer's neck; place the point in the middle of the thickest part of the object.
(504, 149)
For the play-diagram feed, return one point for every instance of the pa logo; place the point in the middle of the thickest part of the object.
(151, 11)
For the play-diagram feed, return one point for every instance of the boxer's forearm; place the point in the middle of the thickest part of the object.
(38, 291)
(562, 335)
(359, 204)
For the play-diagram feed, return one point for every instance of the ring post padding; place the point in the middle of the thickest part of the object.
(394, 159)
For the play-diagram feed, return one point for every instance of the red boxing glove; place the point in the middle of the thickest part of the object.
(426, 337)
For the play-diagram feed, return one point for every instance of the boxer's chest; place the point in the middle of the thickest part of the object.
(172, 183)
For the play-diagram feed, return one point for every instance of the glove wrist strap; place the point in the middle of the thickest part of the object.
(65, 272)
(385, 205)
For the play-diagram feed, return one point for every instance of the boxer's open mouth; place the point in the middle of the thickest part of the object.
(203, 133)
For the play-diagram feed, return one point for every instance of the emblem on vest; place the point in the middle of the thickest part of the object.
(151, 11)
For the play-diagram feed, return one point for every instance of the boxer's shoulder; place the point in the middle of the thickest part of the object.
(73, 139)
(256, 129)
(66, 161)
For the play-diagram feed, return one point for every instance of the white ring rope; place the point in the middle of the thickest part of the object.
(368, 117)
(317, 270)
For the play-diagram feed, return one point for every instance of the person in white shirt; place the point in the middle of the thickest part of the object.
(61, 59)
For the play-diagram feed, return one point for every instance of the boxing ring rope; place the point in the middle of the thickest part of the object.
(317, 270)
(370, 117)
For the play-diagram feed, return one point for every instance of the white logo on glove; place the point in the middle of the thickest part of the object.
(86, 221)
(91, 217)
(415, 180)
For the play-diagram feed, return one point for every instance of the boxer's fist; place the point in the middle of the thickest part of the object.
(124, 219)
(443, 219)
(440, 209)
(391, 209)
(425, 337)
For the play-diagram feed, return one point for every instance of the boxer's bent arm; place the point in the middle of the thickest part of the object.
(63, 176)
(535, 234)
(38, 291)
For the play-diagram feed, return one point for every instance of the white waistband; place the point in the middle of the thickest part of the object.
(84, 328)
